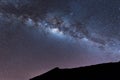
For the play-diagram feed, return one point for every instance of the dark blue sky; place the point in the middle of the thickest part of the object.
(38, 35)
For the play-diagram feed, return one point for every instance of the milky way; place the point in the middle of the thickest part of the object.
(37, 35)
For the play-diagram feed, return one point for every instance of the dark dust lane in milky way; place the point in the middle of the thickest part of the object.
(37, 35)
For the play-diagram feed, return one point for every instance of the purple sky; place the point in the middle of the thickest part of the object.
(36, 36)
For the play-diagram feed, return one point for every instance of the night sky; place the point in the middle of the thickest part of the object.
(38, 35)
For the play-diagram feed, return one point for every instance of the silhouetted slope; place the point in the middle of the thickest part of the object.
(109, 71)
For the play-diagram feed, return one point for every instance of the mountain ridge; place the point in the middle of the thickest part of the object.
(95, 72)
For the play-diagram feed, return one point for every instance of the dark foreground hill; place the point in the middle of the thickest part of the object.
(109, 71)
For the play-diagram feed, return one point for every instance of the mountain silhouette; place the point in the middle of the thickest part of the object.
(107, 71)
